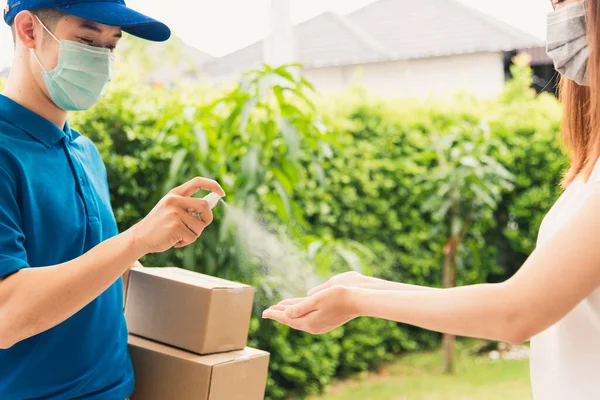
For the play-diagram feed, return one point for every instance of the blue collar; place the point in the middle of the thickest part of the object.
(33, 124)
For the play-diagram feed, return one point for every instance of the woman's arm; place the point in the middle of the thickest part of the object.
(554, 280)
(354, 279)
(381, 284)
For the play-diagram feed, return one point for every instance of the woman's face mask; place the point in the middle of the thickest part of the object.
(567, 43)
(81, 75)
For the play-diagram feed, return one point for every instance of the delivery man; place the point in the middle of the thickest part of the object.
(62, 330)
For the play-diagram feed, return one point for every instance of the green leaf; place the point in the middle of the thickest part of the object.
(250, 163)
(246, 113)
(483, 197)
(470, 161)
(283, 72)
(227, 125)
(456, 226)
(175, 170)
(279, 95)
(189, 258)
(292, 138)
(443, 210)
(285, 182)
(314, 248)
(308, 84)
(201, 139)
(290, 169)
(285, 200)
(351, 259)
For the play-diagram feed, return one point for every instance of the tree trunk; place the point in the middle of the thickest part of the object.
(449, 276)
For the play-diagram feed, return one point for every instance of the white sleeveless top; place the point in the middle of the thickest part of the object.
(565, 358)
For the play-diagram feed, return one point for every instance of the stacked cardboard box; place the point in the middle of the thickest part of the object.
(188, 336)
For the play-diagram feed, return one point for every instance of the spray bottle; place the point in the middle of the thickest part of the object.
(212, 199)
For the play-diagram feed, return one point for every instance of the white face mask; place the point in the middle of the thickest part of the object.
(567, 42)
(81, 75)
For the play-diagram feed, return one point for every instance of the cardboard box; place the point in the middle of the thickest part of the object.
(165, 373)
(191, 311)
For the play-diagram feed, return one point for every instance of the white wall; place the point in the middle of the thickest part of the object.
(481, 74)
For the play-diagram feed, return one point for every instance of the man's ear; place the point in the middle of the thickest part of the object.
(25, 28)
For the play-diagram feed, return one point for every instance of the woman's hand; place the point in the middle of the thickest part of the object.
(320, 313)
(348, 279)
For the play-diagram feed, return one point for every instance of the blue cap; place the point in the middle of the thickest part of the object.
(106, 12)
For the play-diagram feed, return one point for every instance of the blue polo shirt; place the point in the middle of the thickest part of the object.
(54, 207)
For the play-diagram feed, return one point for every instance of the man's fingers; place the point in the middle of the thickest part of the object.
(193, 186)
(197, 206)
(187, 237)
(191, 230)
(195, 225)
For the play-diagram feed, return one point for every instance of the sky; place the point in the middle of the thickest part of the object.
(223, 26)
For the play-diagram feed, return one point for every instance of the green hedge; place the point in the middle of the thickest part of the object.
(371, 193)
(363, 189)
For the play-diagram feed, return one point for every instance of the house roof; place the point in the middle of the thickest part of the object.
(327, 39)
(428, 28)
(388, 30)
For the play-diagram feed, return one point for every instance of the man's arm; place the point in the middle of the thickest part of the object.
(136, 264)
(33, 300)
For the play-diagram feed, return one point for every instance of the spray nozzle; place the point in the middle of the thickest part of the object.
(212, 199)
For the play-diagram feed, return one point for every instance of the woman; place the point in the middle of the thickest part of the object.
(554, 299)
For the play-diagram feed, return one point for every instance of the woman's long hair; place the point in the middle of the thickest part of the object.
(581, 119)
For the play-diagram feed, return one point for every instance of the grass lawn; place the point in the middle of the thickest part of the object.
(418, 377)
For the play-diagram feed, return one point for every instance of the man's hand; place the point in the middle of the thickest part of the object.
(171, 223)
